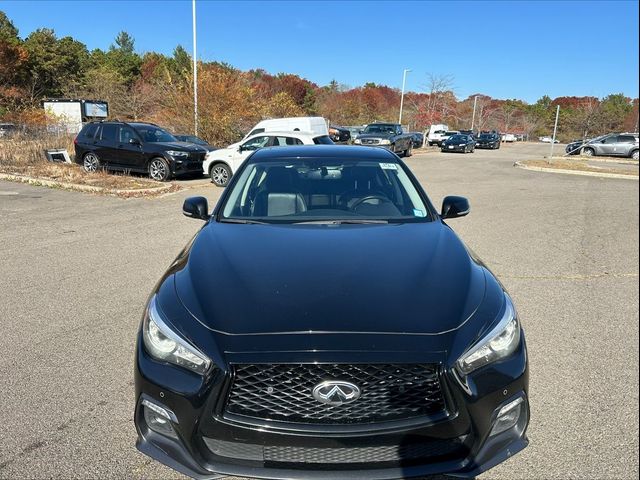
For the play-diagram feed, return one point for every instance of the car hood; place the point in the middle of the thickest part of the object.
(181, 146)
(261, 279)
(222, 152)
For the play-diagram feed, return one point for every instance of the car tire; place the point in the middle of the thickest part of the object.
(408, 152)
(634, 155)
(90, 162)
(588, 152)
(159, 170)
(220, 174)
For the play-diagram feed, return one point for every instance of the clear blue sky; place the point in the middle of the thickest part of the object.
(503, 49)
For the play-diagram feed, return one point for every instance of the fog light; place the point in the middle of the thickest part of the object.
(508, 416)
(158, 418)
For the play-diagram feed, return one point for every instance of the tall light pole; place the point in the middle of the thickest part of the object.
(555, 129)
(404, 80)
(473, 117)
(195, 73)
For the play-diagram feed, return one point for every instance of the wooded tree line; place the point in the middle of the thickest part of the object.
(159, 88)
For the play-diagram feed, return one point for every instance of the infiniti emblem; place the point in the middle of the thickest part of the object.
(336, 392)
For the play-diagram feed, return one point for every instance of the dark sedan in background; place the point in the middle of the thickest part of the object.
(488, 140)
(196, 141)
(459, 143)
(339, 134)
(418, 139)
(357, 337)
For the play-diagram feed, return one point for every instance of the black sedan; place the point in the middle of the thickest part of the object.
(417, 139)
(327, 323)
(488, 140)
(459, 143)
(196, 141)
(339, 134)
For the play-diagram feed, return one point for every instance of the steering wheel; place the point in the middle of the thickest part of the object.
(368, 198)
(349, 195)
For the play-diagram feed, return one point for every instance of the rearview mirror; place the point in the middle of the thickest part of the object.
(196, 207)
(454, 207)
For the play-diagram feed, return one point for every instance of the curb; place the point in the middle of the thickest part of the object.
(82, 188)
(575, 172)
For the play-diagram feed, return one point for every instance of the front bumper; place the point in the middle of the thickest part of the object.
(207, 443)
(382, 145)
(573, 149)
(186, 165)
(456, 148)
(487, 145)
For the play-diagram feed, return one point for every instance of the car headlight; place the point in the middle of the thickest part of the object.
(499, 343)
(358, 141)
(176, 153)
(385, 142)
(164, 344)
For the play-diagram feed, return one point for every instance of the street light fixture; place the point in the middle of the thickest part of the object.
(404, 80)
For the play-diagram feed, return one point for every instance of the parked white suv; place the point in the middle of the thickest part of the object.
(221, 164)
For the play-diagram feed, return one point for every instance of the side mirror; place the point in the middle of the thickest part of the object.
(134, 141)
(240, 149)
(196, 207)
(454, 207)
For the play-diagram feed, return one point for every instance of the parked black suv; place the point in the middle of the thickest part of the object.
(138, 147)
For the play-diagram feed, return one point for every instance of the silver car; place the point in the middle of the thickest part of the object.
(615, 144)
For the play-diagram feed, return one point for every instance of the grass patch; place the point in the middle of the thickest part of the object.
(581, 165)
(24, 156)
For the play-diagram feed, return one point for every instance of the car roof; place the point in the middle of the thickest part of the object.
(287, 132)
(324, 151)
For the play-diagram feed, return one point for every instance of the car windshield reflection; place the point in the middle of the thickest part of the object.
(323, 191)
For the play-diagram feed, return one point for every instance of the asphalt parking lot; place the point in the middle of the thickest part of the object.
(76, 270)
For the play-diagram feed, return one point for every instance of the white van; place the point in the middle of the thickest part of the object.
(436, 132)
(317, 125)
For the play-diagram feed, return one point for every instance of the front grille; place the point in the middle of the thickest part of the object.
(197, 156)
(283, 392)
(370, 141)
(410, 451)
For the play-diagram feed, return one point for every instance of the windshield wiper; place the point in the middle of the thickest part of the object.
(354, 221)
(242, 220)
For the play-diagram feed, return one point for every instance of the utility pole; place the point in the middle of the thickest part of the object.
(404, 79)
(473, 118)
(195, 73)
(555, 129)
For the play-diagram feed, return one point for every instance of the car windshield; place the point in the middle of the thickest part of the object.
(458, 138)
(450, 133)
(323, 190)
(486, 136)
(380, 128)
(150, 133)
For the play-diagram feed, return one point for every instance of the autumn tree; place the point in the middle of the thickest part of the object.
(13, 60)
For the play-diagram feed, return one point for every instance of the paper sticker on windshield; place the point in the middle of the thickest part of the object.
(418, 213)
(389, 166)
